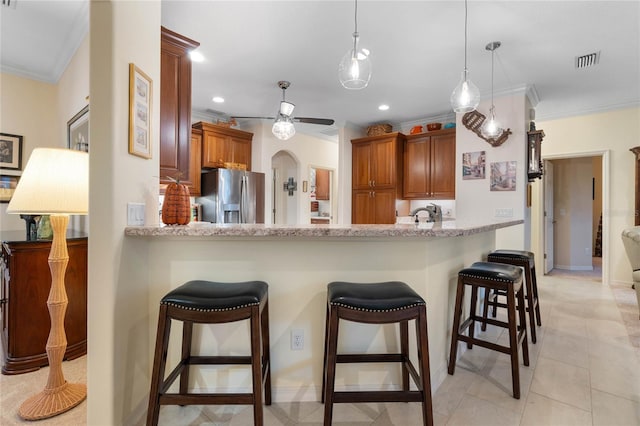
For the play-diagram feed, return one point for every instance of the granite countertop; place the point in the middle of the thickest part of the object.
(451, 228)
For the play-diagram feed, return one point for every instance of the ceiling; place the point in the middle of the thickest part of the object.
(417, 53)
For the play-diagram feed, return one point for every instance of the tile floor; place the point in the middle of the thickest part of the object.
(585, 370)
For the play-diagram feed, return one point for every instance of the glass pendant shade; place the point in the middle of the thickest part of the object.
(491, 128)
(283, 128)
(354, 70)
(466, 95)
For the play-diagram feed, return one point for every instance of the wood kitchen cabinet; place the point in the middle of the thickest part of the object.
(322, 184)
(222, 144)
(25, 283)
(376, 178)
(175, 111)
(429, 165)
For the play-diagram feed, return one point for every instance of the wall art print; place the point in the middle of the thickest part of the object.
(10, 151)
(78, 131)
(140, 91)
(503, 176)
(473, 165)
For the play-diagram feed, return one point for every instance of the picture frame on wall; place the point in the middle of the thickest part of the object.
(78, 131)
(503, 176)
(8, 186)
(10, 151)
(140, 95)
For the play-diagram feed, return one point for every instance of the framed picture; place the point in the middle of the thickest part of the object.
(7, 187)
(503, 176)
(140, 91)
(473, 165)
(78, 131)
(10, 152)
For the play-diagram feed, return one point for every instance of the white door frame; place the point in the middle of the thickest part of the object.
(606, 209)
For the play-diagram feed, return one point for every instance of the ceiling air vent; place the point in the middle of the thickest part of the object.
(9, 3)
(589, 60)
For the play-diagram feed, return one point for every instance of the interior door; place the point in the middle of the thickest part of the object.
(549, 220)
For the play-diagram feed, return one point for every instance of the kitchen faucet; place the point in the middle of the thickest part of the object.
(434, 211)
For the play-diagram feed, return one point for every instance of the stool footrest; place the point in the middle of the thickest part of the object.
(344, 358)
(489, 345)
(207, 398)
(378, 396)
(218, 360)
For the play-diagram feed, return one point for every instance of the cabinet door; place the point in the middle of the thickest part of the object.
(322, 184)
(443, 166)
(175, 107)
(215, 149)
(383, 163)
(362, 211)
(241, 151)
(417, 156)
(361, 166)
(384, 205)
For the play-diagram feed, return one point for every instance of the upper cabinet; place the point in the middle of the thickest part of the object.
(221, 144)
(322, 184)
(175, 112)
(429, 165)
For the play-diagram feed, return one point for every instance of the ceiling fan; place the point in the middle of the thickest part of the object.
(283, 126)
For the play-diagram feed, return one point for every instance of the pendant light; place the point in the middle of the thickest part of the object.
(490, 128)
(465, 96)
(354, 70)
(283, 128)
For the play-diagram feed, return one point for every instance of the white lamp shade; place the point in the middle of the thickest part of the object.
(55, 181)
(286, 108)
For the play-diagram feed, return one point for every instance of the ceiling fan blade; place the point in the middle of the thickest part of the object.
(311, 120)
(258, 118)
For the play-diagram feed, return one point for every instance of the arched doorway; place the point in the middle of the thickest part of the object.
(285, 203)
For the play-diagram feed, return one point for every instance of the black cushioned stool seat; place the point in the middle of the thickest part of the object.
(210, 302)
(525, 260)
(377, 303)
(492, 276)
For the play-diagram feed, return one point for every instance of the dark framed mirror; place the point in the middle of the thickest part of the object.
(534, 160)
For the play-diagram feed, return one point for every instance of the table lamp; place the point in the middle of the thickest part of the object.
(54, 182)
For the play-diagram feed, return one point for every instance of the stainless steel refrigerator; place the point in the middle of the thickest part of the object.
(232, 196)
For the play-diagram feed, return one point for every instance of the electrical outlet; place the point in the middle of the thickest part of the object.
(297, 339)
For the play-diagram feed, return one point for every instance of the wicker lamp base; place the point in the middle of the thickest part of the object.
(51, 402)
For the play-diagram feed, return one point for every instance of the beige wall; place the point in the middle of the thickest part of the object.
(27, 108)
(611, 134)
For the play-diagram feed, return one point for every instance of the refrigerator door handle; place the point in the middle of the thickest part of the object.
(243, 201)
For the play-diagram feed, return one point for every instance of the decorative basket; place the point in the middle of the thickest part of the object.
(378, 129)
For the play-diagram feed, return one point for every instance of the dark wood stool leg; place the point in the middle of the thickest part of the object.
(159, 363)
(535, 294)
(332, 347)
(485, 308)
(266, 353)
(513, 341)
(256, 366)
(326, 348)
(523, 326)
(187, 334)
(473, 307)
(423, 359)
(457, 313)
(530, 303)
(404, 350)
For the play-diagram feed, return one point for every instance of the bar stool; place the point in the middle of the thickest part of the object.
(209, 302)
(377, 303)
(525, 260)
(492, 276)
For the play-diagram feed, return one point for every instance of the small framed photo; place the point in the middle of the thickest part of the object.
(78, 131)
(140, 91)
(473, 165)
(503, 176)
(7, 187)
(10, 152)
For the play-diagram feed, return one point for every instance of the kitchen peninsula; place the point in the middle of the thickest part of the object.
(298, 262)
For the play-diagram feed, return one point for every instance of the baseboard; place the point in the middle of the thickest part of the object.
(573, 268)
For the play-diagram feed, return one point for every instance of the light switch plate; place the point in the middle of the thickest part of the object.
(135, 214)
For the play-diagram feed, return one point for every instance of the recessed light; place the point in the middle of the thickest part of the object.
(196, 56)
(383, 107)
(218, 99)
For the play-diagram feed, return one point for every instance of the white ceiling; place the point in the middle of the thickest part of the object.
(417, 52)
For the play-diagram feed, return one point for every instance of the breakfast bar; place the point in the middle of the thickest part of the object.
(298, 262)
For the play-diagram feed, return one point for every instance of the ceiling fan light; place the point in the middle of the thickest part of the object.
(283, 128)
(286, 108)
(466, 96)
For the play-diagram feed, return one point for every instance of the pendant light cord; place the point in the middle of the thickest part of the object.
(355, 32)
(492, 52)
(465, 39)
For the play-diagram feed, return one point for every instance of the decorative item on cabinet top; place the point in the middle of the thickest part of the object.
(379, 129)
(473, 121)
